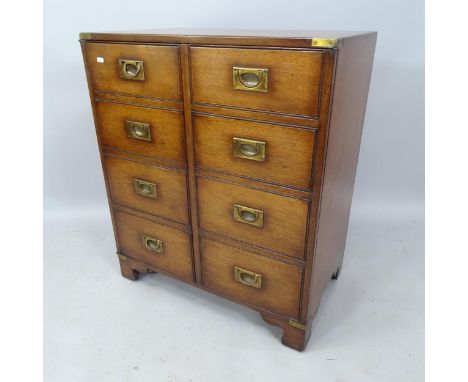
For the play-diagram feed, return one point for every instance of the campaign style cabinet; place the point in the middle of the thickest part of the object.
(229, 158)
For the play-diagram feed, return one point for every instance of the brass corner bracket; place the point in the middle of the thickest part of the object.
(297, 325)
(85, 36)
(324, 42)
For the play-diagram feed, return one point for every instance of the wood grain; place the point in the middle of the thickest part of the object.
(285, 219)
(233, 242)
(137, 100)
(166, 127)
(311, 118)
(171, 202)
(280, 290)
(189, 138)
(161, 66)
(176, 259)
(288, 158)
(293, 79)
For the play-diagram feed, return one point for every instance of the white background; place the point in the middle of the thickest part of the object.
(370, 325)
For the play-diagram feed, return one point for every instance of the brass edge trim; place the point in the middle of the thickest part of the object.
(297, 325)
(85, 36)
(324, 42)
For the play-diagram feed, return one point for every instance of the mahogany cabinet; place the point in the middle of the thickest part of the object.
(230, 156)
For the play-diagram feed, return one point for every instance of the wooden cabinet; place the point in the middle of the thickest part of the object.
(230, 158)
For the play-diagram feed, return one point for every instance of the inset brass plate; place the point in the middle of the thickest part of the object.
(324, 42)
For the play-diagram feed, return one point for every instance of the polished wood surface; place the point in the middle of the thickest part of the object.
(350, 91)
(293, 79)
(311, 120)
(285, 219)
(278, 279)
(288, 158)
(176, 259)
(166, 128)
(171, 200)
(161, 67)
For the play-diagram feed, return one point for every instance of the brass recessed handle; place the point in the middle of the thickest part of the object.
(248, 215)
(138, 130)
(131, 70)
(252, 79)
(153, 244)
(142, 187)
(249, 149)
(248, 277)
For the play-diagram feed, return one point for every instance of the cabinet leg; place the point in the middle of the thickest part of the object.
(295, 335)
(127, 270)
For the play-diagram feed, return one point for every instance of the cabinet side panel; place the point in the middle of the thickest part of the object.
(351, 86)
(98, 136)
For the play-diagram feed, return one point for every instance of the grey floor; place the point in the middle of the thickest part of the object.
(102, 327)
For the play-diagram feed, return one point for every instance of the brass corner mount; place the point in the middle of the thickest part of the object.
(324, 42)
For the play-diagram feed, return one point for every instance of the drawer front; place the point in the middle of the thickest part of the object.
(288, 81)
(147, 188)
(143, 70)
(268, 221)
(263, 151)
(253, 279)
(141, 130)
(163, 247)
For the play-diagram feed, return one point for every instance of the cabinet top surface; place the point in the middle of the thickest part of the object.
(278, 37)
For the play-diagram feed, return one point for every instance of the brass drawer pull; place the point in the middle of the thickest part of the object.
(153, 244)
(132, 70)
(138, 130)
(253, 79)
(248, 215)
(247, 277)
(142, 187)
(248, 149)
